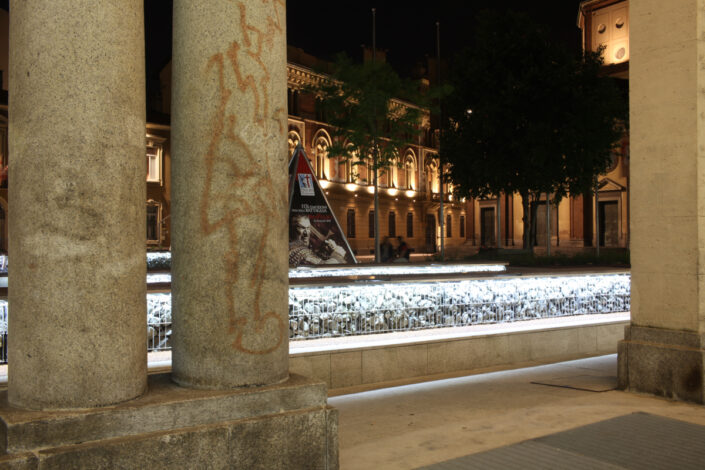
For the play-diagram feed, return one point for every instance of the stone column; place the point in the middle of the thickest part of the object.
(229, 211)
(663, 348)
(77, 203)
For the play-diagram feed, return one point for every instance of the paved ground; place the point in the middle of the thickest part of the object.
(424, 424)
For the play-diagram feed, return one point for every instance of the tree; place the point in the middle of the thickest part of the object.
(542, 119)
(370, 123)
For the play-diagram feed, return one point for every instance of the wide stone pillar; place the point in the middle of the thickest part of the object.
(663, 351)
(77, 199)
(229, 211)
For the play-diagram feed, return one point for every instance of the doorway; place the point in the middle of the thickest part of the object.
(487, 227)
(609, 223)
(540, 225)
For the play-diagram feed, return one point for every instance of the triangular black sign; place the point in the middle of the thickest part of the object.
(315, 236)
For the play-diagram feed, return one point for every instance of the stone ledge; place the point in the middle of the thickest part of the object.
(653, 335)
(294, 439)
(164, 407)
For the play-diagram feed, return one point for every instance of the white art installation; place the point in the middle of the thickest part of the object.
(366, 307)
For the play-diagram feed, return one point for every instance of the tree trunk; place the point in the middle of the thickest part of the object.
(534, 216)
(378, 258)
(525, 219)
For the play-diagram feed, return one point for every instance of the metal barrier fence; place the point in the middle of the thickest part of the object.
(158, 322)
(367, 308)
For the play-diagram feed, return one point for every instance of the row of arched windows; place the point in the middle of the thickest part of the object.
(401, 177)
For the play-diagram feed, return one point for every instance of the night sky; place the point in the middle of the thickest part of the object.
(406, 30)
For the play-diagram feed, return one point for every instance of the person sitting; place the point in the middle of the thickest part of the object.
(386, 251)
(403, 251)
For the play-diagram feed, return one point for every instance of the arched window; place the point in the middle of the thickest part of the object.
(432, 177)
(293, 140)
(409, 170)
(343, 171)
(363, 172)
(321, 143)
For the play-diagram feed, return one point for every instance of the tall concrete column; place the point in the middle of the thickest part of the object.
(77, 203)
(663, 348)
(229, 208)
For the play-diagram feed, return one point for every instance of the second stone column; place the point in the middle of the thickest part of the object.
(230, 271)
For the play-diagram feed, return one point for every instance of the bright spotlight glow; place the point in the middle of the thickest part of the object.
(324, 183)
(351, 186)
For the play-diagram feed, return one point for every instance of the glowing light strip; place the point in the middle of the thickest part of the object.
(372, 270)
(153, 278)
(164, 258)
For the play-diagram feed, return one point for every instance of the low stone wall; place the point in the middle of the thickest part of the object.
(353, 367)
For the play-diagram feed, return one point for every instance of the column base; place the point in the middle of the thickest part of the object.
(669, 363)
(281, 426)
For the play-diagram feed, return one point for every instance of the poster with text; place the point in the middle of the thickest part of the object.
(315, 236)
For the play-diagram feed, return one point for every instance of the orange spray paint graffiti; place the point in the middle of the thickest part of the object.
(238, 185)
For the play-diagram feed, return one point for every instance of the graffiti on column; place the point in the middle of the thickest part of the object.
(238, 195)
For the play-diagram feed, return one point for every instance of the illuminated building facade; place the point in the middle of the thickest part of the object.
(409, 191)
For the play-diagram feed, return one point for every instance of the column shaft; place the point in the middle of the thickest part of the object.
(229, 272)
(663, 348)
(77, 203)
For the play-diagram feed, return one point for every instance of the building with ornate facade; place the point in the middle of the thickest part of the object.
(409, 191)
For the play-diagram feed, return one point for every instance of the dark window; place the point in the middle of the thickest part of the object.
(371, 225)
(293, 101)
(410, 225)
(449, 226)
(392, 224)
(320, 111)
(351, 223)
(462, 226)
(153, 223)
